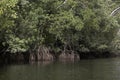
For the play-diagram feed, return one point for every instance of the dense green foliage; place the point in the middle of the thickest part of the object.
(77, 25)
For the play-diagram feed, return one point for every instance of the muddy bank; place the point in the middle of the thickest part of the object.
(94, 55)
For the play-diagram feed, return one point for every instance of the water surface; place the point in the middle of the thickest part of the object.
(97, 69)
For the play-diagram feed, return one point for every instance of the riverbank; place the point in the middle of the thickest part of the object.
(49, 56)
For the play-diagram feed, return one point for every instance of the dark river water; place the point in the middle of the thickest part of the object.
(97, 69)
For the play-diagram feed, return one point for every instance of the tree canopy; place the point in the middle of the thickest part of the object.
(77, 25)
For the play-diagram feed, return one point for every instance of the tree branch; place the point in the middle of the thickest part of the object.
(114, 12)
(62, 4)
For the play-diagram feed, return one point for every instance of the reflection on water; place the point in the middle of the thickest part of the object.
(98, 69)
